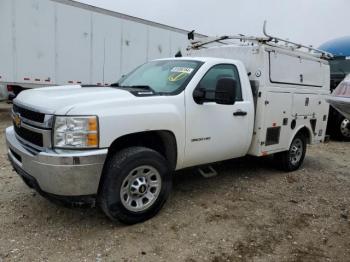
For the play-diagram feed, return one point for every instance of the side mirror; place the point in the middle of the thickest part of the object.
(199, 95)
(225, 93)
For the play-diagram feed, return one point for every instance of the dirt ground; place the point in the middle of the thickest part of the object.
(249, 212)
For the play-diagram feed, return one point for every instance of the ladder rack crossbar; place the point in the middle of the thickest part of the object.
(242, 38)
(277, 39)
(264, 40)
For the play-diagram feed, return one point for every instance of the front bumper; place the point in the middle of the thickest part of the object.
(73, 173)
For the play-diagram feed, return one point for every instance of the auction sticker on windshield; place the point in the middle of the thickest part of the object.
(186, 70)
(179, 73)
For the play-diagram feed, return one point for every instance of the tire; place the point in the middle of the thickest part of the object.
(135, 185)
(342, 129)
(292, 159)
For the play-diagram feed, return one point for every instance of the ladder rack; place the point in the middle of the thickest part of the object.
(197, 44)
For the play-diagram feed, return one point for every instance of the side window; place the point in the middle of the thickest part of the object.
(208, 82)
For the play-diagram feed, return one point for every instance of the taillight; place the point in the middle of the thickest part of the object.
(10, 88)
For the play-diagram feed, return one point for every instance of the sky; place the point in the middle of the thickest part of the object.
(310, 22)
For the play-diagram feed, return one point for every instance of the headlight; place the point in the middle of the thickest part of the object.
(76, 132)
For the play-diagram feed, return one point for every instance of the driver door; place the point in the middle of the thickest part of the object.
(216, 132)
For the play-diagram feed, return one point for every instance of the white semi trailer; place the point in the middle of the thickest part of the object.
(62, 42)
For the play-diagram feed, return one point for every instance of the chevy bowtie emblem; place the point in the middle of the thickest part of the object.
(17, 120)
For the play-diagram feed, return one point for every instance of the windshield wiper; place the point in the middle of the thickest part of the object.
(145, 87)
(115, 85)
(135, 86)
(139, 87)
(142, 87)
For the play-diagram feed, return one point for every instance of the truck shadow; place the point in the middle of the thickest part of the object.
(185, 182)
(245, 167)
(188, 184)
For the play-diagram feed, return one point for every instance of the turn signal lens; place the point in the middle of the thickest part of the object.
(92, 140)
(93, 124)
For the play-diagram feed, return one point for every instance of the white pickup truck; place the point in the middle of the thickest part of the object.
(119, 145)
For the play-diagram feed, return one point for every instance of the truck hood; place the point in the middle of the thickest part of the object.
(60, 100)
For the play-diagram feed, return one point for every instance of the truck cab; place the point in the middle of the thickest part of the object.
(64, 137)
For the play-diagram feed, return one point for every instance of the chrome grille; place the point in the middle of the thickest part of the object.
(29, 114)
(32, 128)
(30, 136)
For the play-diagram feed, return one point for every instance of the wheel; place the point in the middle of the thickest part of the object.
(136, 184)
(338, 126)
(344, 129)
(292, 159)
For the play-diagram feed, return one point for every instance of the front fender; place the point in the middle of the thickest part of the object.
(121, 117)
(137, 119)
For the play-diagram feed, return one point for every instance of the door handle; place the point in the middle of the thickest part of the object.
(240, 113)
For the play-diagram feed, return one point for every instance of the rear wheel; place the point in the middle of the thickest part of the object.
(135, 186)
(344, 128)
(338, 126)
(292, 159)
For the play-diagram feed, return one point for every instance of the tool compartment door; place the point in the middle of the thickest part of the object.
(277, 121)
(305, 104)
(322, 117)
(294, 70)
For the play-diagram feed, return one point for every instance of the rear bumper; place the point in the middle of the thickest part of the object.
(73, 173)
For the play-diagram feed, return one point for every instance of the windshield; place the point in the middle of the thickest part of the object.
(163, 76)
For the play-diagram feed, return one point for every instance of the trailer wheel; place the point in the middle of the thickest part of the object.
(136, 184)
(343, 126)
(292, 159)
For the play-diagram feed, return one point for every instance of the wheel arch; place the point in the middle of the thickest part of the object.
(305, 131)
(162, 141)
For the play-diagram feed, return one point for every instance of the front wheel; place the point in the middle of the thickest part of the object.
(292, 159)
(135, 186)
